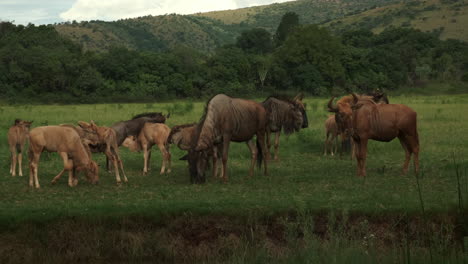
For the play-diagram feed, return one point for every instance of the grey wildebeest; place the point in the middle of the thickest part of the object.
(227, 119)
(331, 133)
(67, 142)
(284, 114)
(17, 136)
(383, 122)
(151, 134)
(108, 137)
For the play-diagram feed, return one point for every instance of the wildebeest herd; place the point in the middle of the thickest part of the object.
(356, 119)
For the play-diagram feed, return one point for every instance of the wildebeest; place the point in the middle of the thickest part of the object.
(17, 136)
(227, 119)
(151, 134)
(344, 115)
(68, 144)
(107, 137)
(284, 114)
(182, 136)
(331, 133)
(383, 122)
(132, 127)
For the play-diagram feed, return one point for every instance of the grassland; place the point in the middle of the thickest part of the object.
(447, 17)
(303, 183)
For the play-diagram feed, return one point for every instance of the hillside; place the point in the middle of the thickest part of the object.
(204, 31)
(449, 17)
(309, 11)
(151, 33)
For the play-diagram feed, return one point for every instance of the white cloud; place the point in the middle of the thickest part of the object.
(117, 9)
(25, 17)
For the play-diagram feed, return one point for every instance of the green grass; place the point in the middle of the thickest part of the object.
(302, 181)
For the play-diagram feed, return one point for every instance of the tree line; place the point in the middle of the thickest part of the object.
(39, 65)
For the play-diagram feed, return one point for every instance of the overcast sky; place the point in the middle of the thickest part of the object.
(51, 11)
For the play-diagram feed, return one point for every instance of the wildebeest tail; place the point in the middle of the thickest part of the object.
(259, 154)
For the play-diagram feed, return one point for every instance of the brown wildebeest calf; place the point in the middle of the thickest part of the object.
(107, 137)
(151, 134)
(17, 136)
(67, 143)
(384, 122)
(331, 131)
(182, 135)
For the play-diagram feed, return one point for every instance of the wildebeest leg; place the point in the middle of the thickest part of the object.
(166, 157)
(361, 154)
(261, 142)
(253, 153)
(34, 157)
(114, 161)
(226, 142)
(268, 142)
(215, 160)
(149, 161)
(115, 152)
(406, 148)
(145, 158)
(325, 144)
(20, 161)
(13, 163)
(277, 137)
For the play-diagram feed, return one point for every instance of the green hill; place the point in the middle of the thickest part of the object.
(204, 31)
(449, 17)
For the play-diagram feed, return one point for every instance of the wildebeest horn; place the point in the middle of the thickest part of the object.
(356, 97)
(332, 108)
(168, 114)
(299, 97)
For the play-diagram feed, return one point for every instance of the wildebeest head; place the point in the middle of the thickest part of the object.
(343, 113)
(198, 164)
(132, 144)
(302, 108)
(91, 171)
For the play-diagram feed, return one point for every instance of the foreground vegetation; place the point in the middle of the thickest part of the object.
(248, 219)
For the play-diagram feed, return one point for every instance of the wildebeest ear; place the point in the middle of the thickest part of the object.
(185, 157)
(83, 124)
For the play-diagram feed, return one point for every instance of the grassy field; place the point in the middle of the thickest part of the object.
(303, 183)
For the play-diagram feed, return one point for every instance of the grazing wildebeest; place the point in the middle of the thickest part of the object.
(151, 134)
(68, 144)
(182, 136)
(331, 132)
(284, 114)
(383, 122)
(17, 136)
(227, 119)
(107, 137)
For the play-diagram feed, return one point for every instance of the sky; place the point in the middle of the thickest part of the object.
(54, 11)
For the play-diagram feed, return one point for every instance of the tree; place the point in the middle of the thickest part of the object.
(256, 40)
(288, 23)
